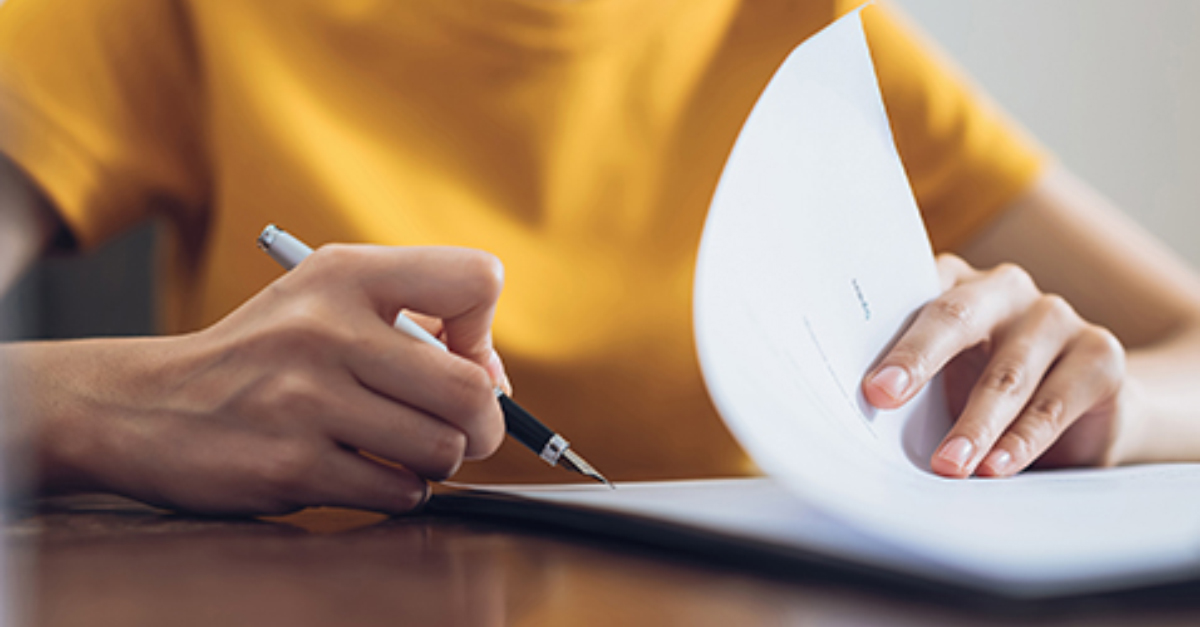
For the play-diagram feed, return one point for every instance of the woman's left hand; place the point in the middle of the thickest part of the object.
(1027, 377)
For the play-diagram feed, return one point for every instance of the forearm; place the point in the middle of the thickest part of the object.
(58, 410)
(1164, 398)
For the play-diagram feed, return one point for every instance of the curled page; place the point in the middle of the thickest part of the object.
(814, 256)
(813, 259)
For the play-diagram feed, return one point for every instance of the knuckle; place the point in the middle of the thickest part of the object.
(475, 410)
(473, 387)
(329, 265)
(1103, 342)
(1014, 275)
(285, 469)
(955, 311)
(1006, 378)
(306, 331)
(1021, 442)
(980, 432)
(298, 334)
(952, 270)
(493, 434)
(1048, 411)
(292, 395)
(332, 258)
(953, 263)
(470, 393)
(446, 451)
(1057, 308)
(1107, 352)
(486, 272)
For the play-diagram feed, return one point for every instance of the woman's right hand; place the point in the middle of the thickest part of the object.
(291, 401)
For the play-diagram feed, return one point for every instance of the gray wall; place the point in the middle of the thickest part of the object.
(104, 293)
(1112, 87)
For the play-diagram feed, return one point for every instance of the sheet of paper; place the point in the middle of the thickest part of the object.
(764, 510)
(813, 258)
(755, 508)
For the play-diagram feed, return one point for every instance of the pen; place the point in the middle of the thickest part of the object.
(554, 449)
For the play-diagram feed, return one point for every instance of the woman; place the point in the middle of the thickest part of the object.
(578, 143)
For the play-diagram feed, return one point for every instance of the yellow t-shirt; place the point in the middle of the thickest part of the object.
(578, 141)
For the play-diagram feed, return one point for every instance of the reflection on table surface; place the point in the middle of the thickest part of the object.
(97, 560)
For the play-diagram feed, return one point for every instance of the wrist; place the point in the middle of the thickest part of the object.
(1128, 441)
(74, 401)
(66, 421)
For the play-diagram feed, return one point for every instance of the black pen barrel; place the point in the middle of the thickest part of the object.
(523, 426)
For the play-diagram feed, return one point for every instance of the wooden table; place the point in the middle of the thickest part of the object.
(100, 561)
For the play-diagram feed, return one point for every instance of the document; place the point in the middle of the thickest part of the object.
(813, 259)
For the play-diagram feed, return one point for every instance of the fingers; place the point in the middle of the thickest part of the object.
(426, 379)
(450, 292)
(1043, 368)
(493, 363)
(455, 289)
(1089, 373)
(1015, 371)
(966, 315)
(952, 270)
(459, 286)
(327, 471)
(423, 444)
(345, 479)
(269, 472)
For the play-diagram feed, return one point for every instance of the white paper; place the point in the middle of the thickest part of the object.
(765, 510)
(813, 256)
(813, 259)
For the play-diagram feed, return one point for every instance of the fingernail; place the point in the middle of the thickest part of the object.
(505, 384)
(496, 368)
(425, 496)
(999, 462)
(957, 452)
(893, 380)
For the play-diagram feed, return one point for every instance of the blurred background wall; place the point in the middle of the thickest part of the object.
(1110, 86)
(103, 293)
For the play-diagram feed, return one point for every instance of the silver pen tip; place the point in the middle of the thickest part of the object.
(572, 461)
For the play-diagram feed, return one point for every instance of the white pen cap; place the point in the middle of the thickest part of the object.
(286, 250)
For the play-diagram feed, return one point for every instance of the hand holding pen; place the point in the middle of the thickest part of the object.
(304, 395)
(549, 446)
(295, 399)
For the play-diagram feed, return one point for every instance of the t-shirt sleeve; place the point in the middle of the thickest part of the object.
(966, 161)
(99, 106)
